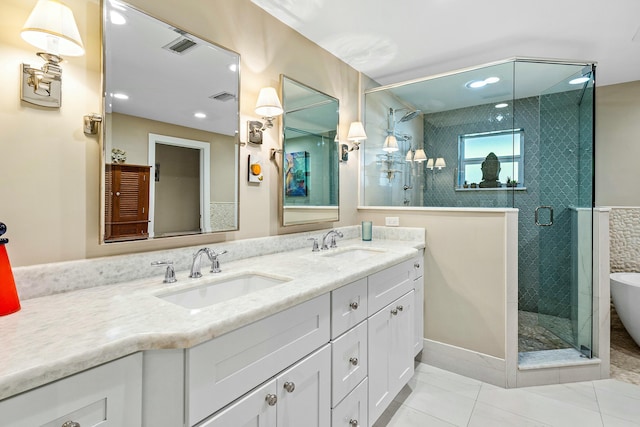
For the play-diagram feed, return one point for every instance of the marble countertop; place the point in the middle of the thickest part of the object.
(55, 336)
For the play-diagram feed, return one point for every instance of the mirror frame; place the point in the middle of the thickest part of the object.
(102, 135)
(281, 180)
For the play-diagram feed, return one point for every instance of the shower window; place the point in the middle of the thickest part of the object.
(507, 145)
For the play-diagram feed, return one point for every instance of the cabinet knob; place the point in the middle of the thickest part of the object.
(70, 424)
(400, 308)
(289, 386)
(353, 423)
(354, 361)
(416, 265)
(354, 305)
(271, 399)
(394, 312)
(117, 194)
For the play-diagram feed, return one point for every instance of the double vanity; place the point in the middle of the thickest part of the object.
(290, 337)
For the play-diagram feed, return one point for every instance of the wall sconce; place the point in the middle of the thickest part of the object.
(430, 164)
(356, 135)
(269, 107)
(52, 28)
(440, 163)
(420, 156)
(390, 144)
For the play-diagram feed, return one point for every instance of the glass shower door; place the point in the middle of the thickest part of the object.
(563, 215)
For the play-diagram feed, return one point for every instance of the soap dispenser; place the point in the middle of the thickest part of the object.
(9, 302)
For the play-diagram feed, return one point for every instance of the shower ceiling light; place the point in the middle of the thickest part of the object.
(579, 80)
(477, 84)
(502, 105)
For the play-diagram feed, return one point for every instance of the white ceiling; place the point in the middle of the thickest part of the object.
(394, 41)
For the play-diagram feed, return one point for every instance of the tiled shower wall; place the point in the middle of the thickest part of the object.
(624, 239)
(552, 177)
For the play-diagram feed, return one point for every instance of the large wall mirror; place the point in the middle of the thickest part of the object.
(310, 178)
(170, 129)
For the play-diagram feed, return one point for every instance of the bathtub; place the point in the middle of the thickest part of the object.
(625, 291)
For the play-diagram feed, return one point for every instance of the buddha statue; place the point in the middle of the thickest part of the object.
(490, 171)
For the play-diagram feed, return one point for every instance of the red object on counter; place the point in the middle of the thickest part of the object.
(9, 302)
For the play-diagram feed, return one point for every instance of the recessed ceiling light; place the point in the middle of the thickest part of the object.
(502, 105)
(578, 80)
(233, 67)
(120, 96)
(200, 115)
(491, 80)
(117, 18)
(476, 84)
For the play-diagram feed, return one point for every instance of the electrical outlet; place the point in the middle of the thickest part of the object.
(392, 221)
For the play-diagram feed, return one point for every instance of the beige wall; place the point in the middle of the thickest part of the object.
(618, 144)
(49, 189)
(464, 275)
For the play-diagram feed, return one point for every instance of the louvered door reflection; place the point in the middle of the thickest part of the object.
(127, 204)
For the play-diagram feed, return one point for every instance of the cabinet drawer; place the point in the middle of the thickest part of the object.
(390, 284)
(348, 306)
(353, 410)
(223, 369)
(107, 396)
(348, 361)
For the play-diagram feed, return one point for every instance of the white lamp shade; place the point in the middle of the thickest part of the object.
(356, 132)
(409, 157)
(430, 163)
(52, 28)
(440, 163)
(268, 104)
(390, 144)
(420, 156)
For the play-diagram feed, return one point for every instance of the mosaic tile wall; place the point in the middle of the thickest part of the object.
(624, 239)
(551, 178)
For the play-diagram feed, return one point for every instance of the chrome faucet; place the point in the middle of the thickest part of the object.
(195, 264)
(170, 273)
(333, 234)
(215, 263)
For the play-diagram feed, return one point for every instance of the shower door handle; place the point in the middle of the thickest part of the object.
(550, 216)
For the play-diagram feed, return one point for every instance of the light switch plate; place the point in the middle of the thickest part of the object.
(392, 221)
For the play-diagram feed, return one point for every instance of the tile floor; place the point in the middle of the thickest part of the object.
(435, 397)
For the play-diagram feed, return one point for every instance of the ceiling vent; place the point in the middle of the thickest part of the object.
(180, 46)
(223, 96)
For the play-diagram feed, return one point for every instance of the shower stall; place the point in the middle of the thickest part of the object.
(513, 134)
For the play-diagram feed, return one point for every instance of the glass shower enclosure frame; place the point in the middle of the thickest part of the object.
(545, 169)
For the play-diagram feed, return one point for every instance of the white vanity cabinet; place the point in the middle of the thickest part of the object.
(390, 335)
(299, 396)
(109, 395)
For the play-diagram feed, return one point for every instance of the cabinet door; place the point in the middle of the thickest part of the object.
(390, 340)
(257, 409)
(304, 392)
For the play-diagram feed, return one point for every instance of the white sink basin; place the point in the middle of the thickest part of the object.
(222, 290)
(353, 254)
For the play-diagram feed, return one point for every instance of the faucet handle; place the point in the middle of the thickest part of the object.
(333, 239)
(170, 274)
(215, 263)
(315, 244)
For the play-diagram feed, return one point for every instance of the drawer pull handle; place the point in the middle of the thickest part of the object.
(70, 424)
(289, 386)
(354, 305)
(353, 423)
(394, 312)
(354, 361)
(400, 308)
(271, 399)
(416, 265)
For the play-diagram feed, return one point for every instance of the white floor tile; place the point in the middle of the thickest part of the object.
(489, 416)
(610, 421)
(448, 381)
(540, 408)
(618, 405)
(629, 390)
(398, 415)
(582, 394)
(436, 401)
